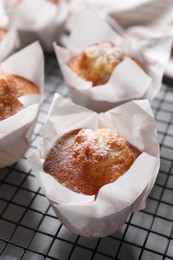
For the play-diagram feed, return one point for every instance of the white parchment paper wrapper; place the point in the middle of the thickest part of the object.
(128, 14)
(39, 20)
(82, 214)
(128, 81)
(16, 131)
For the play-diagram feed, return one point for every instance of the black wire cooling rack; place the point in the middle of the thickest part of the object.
(29, 229)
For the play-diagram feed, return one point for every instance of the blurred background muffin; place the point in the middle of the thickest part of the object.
(97, 62)
(11, 88)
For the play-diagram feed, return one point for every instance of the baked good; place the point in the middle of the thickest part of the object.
(3, 33)
(97, 62)
(11, 88)
(84, 160)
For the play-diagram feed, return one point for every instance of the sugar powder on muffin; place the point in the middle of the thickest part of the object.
(97, 62)
(84, 160)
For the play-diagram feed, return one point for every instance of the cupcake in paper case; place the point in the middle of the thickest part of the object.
(97, 62)
(41, 20)
(21, 93)
(146, 18)
(103, 69)
(96, 169)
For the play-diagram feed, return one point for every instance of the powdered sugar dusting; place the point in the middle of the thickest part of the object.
(104, 53)
(84, 160)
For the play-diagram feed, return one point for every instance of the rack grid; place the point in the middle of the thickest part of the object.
(29, 229)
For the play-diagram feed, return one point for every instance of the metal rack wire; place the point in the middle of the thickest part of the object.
(29, 229)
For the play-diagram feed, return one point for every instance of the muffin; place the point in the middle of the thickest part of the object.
(84, 160)
(3, 33)
(97, 62)
(11, 88)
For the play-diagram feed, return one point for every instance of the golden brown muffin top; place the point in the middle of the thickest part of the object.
(21, 86)
(97, 62)
(11, 88)
(84, 160)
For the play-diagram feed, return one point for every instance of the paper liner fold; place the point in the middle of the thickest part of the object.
(128, 81)
(39, 20)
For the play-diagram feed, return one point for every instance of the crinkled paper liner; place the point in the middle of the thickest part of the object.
(128, 81)
(82, 214)
(39, 20)
(16, 131)
(129, 14)
(139, 19)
